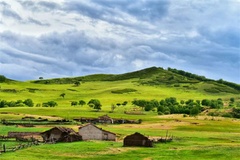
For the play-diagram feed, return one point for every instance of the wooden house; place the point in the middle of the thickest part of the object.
(137, 139)
(92, 132)
(60, 134)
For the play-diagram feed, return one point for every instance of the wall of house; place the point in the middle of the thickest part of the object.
(55, 134)
(90, 133)
(110, 136)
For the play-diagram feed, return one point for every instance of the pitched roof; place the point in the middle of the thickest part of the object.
(136, 135)
(90, 124)
(62, 129)
(105, 117)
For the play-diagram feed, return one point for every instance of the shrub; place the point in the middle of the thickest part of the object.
(160, 113)
(166, 112)
(229, 115)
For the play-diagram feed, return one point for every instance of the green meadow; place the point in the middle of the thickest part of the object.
(195, 137)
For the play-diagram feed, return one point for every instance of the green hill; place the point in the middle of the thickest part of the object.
(157, 76)
(148, 84)
(171, 100)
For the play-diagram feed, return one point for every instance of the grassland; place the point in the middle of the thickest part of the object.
(194, 138)
(201, 137)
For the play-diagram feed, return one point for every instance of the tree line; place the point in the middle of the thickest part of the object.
(202, 78)
(170, 105)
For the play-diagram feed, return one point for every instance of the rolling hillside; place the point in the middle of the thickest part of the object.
(151, 83)
(157, 76)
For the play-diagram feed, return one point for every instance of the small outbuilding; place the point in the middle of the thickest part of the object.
(60, 134)
(92, 132)
(137, 139)
(105, 119)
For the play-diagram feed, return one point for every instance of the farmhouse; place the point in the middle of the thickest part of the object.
(92, 132)
(61, 134)
(137, 139)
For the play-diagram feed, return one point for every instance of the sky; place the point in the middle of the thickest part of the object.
(69, 38)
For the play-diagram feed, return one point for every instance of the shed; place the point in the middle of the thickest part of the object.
(60, 134)
(137, 139)
(92, 132)
(105, 119)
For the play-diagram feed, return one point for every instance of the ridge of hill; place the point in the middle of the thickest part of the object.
(4, 79)
(156, 76)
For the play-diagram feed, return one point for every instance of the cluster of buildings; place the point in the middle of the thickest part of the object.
(87, 132)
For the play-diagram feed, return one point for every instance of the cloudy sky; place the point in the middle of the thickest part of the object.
(62, 38)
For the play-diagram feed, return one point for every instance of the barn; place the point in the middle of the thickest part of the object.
(137, 139)
(60, 134)
(92, 132)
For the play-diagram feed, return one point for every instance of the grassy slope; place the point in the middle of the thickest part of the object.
(197, 138)
(96, 89)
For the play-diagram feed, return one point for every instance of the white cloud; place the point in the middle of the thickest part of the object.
(73, 38)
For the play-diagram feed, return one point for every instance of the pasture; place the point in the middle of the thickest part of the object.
(194, 138)
(200, 137)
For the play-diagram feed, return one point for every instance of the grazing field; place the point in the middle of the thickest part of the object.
(194, 138)
(202, 136)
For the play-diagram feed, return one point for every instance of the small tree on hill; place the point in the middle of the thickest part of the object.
(29, 102)
(74, 103)
(62, 95)
(124, 103)
(82, 102)
(77, 83)
(95, 104)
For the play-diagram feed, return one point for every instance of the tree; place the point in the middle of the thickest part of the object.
(50, 104)
(124, 103)
(82, 102)
(182, 102)
(74, 103)
(140, 103)
(3, 103)
(40, 78)
(232, 100)
(77, 83)
(3, 78)
(118, 104)
(206, 102)
(62, 95)
(29, 102)
(194, 111)
(95, 104)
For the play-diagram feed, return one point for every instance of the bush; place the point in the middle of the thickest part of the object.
(229, 115)
(167, 112)
(29, 102)
(160, 113)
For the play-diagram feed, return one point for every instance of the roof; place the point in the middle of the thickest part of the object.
(90, 124)
(104, 117)
(136, 135)
(62, 129)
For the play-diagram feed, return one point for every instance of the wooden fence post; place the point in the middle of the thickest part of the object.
(4, 148)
